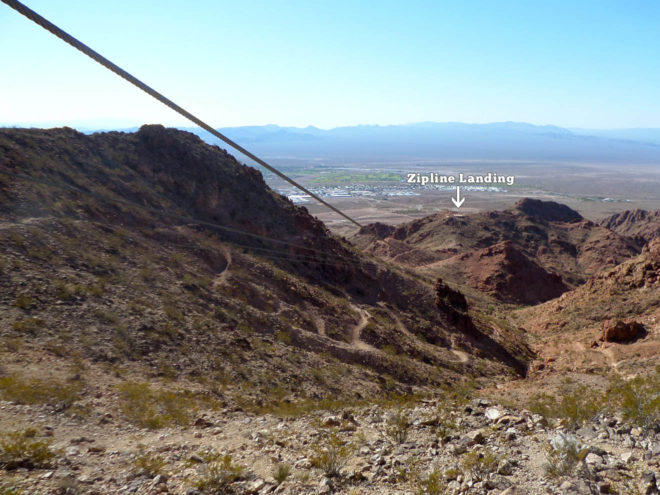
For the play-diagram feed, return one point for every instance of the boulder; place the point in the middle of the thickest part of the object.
(621, 331)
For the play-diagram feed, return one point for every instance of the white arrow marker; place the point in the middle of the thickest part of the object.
(457, 200)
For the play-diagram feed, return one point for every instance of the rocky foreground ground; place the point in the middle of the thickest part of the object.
(421, 448)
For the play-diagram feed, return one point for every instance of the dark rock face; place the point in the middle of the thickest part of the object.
(512, 277)
(621, 331)
(547, 210)
(173, 177)
(378, 229)
(446, 296)
(626, 218)
(641, 225)
(454, 305)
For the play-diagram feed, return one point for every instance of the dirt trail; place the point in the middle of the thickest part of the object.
(607, 352)
(463, 357)
(399, 324)
(579, 346)
(357, 329)
(611, 360)
(319, 322)
(222, 277)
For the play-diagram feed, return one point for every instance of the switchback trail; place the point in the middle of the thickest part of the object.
(463, 357)
(222, 277)
(357, 329)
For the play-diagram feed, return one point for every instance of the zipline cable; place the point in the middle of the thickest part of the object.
(64, 36)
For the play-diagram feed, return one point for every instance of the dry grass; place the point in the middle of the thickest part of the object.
(21, 390)
(20, 449)
(153, 409)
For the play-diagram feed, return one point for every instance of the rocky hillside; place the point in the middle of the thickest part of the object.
(505, 273)
(168, 324)
(156, 251)
(436, 446)
(571, 332)
(641, 225)
(553, 239)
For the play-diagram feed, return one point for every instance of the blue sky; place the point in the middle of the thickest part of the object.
(591, 64)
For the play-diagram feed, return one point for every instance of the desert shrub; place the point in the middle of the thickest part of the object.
(153, 409)
(147, 274)
(105, 315)
(389, 349)
(433, 484)
(458, 394)
(24, 301)
(172, 312)
(479, 464)
(69, 486)
(638, 399)
(563, 454)
(146, 464)
(194, 284)
(332, 456)
(20, 449)
(281, 473)
(218, 473)
(397, 427)
(318, 374)
(13, 344)
(66, 291)
(575, 405)
(35, 391)
(28, 325)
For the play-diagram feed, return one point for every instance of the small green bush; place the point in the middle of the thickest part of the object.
(19, 449)
(433, 484)
(153, 409)
(281, 473)
(24, 301)
(146, 464)
(35, 391)
(28, 325)
(563, 454)
(218, 473)
(574, 406)
(479, 464)
(397, 427)
(332, 456)
(638, 399)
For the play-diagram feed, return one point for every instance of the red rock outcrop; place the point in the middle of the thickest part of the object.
(621, 331)
(507, 274)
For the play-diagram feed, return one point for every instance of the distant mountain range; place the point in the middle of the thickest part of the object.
(430, 140)
(445, 141)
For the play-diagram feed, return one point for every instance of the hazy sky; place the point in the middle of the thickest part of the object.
(583, 63)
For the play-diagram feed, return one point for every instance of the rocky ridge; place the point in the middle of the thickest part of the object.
(188, 359)
(543, 233)
(641, 225)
